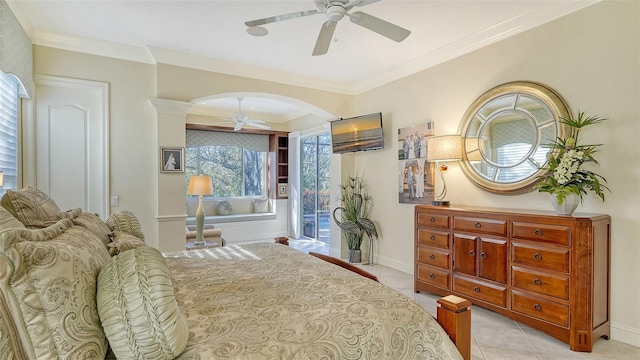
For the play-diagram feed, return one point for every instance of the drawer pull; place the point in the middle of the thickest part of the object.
(483, 255)
(537, 307)
(537, 256)
(432, 237)
(432, 276)
(537, 232)
(431, 256)
(537, 282)
(478, 225)
(476, 289)
(432, 219)
(472, 253)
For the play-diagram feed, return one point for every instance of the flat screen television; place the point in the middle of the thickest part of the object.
(359, 133)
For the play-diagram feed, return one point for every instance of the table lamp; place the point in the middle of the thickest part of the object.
(200, 185)
(440, 149)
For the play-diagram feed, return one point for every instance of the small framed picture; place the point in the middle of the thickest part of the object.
(171, 160)
(282, 189)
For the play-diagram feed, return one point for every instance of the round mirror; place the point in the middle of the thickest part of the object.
(504, 133)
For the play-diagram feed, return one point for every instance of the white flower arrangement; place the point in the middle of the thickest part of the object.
(565, 163)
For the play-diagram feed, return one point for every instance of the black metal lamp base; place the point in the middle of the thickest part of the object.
(440, 203)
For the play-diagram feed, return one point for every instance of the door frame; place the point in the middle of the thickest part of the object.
(101, 89)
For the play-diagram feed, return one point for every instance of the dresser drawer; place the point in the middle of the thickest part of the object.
(433, 256)
(556, 234)
(433, 220)
(433, 238)
(542, 309)
(556, 259)
(480, 225)
(490, 293)
(433, 276)
(540, 282)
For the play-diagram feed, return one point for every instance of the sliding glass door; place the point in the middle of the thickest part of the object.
(315, 179)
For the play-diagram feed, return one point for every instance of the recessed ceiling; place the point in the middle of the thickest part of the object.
(181, 31)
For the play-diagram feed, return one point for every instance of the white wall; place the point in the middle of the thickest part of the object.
(592, 59)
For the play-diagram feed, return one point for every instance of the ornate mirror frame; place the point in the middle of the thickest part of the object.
(504, 131)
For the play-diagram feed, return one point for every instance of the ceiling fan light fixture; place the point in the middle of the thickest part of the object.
(258, 31)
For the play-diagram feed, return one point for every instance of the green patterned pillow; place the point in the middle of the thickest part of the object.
(8, 221)
(48, 284)
(122, 242)
(69, 214)
(31, 206)
(125, 221)
(138, 308)
(93, 223)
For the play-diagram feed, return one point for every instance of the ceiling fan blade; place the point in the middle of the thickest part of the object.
(382, 27)
(259, 126)
(272, 19)
(324, 38)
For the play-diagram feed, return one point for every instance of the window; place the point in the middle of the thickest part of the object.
(9, 104)
(237, 163)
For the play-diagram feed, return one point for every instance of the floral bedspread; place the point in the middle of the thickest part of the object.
(269, 301)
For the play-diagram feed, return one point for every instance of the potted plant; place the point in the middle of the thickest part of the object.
(354, 219)
(566, 179)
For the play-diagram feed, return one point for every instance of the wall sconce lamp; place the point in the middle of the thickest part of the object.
(441, 149)
(200, 185)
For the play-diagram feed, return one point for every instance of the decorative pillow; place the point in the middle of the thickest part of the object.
(122, 242)
(8, 221)
(260, 205)
(138, 308)
(125, 221)
(69, 214)
(31, 206)
(48, 283)
(223, 207)
(93, 223)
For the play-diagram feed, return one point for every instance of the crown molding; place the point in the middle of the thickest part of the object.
(153, 55)
(500, 31)
(93, 47)
(199, 62)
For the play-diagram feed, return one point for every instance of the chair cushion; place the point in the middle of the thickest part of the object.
(31, 206)
(48, 284)
(138, 308)
(122, 242)
(125, 221)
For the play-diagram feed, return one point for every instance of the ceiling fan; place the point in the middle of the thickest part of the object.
(243, 119)
(335, 10)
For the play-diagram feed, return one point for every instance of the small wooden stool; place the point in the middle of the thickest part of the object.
(282, 240)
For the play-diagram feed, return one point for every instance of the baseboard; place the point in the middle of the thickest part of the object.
(625, 334)
(394, 264)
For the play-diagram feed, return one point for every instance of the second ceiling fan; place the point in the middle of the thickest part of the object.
(243, 119)
(335, 10)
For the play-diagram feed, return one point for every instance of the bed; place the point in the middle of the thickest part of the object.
(268, 301)
(75, 287)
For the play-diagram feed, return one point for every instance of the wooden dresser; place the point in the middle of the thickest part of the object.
(548, 271)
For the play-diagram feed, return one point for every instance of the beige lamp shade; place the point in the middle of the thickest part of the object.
(444, 148)
(471, 147)
(200, 185)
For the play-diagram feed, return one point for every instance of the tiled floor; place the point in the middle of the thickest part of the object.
(494, 337)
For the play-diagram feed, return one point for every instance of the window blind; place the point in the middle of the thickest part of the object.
(8, 131)
(257, 142)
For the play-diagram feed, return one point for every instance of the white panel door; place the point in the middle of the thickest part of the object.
(72, 143)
